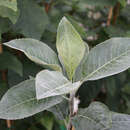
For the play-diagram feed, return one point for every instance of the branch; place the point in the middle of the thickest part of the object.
(1, 48)
(116, 13)
(109, 16)
(74, 102)
(48, 6)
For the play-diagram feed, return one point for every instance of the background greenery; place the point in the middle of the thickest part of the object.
(96, 21)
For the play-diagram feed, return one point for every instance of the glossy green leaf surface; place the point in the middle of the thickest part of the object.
(52, 83)
(108, 58)
(70, 46)
(36, 51)
(20, 101)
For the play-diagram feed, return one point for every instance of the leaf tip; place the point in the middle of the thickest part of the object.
(63, 20)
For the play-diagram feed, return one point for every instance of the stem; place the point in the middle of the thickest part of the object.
(109, 16)
(48, 6)
(71, 104)
(116, 13)
(1, 48)
(8, 123)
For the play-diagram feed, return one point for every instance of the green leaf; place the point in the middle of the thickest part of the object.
(8, 13)
(47, 121)
(126, 89)
(61, 110)
(9, 61)
(32, 20)
(100, 3)
(20, 101)
(115, 31)
(70, 46)
(123, 2)
(12, 4)
(3, 88)
(52, 83)
(79, 73)
(36, 51)
(120, 121)
(4, 25)
(96, 117)
(80, 29)
(108, 58)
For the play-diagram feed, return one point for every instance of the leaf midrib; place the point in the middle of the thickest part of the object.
(14, 106)
(92, 120)
(114, 59)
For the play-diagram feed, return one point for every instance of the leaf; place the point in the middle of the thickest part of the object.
(115, 31)
(79, 73)
(32, 20)
(126, 89)
(12, 4)
(20, 102)
(8, 13)
(70, 46)
(80, 29)
(4, 25)
(52, 83)
(9, 61)
(120, 121)
(36, 51)
(126, 98)
(96, 117)
(61, 110)
(3, 88)
(47, 121)
(100, 3)
(113, 93)
(108, 58)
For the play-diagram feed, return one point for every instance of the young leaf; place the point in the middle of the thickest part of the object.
(108, 58)
(36, 51)
(79, 73)
(52, 83)
(80, 29)
(9, 61)
(70, 46)
(20, 102)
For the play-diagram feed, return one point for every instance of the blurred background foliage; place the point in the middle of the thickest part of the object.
(95, 20)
